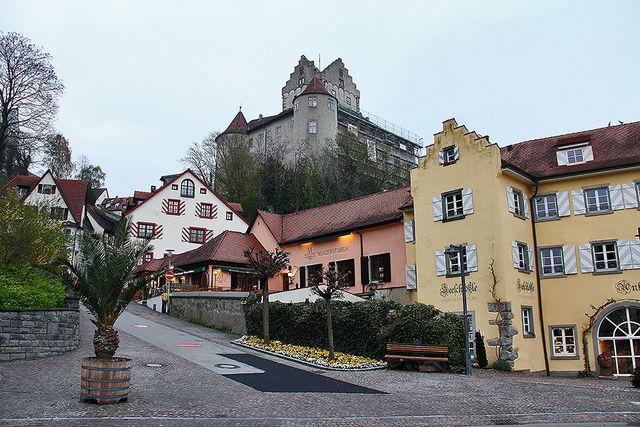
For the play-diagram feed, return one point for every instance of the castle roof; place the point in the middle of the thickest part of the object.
(238, 124)
(315, 86)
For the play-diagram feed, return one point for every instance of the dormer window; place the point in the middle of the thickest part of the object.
(574, 155)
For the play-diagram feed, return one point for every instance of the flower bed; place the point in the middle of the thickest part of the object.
(314, 356)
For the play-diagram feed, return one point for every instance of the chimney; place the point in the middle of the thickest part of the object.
(153, 188)
(260, 117)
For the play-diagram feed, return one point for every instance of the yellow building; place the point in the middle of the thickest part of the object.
(549, 228)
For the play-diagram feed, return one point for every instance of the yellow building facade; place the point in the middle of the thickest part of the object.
(551, 258)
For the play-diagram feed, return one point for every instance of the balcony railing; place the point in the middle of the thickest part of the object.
(383, 124)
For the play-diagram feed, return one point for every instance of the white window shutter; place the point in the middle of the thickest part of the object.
(562, 158)
(441, 263)
(525, 201)
(441, 157)
(615, 194)
(514, 254)
(587, 153)
(624, 254)
(409, 235)
(456, 152)
(437, 208)
(586, 258)
(472, 258)
(410, 273)
(530, 256)
(634, 246)
(510, 203)
(569, 259)
(562, 199)
(630, 196)
(467, 201)
(577, 197)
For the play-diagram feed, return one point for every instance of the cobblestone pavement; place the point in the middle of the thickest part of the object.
(46, 392)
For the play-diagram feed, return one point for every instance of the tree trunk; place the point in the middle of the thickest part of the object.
(330, 329)
(105, 342)
(265, 310)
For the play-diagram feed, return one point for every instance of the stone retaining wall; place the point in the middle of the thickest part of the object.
(30, 334)
(219, 310)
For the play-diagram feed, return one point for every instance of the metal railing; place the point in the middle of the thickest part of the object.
(383, 124)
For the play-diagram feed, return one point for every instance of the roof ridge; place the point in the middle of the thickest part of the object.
(575, 133)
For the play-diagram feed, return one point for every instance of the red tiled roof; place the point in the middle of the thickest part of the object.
(153, 265)
(238, 124)
(365, 211)
(228, 246)
(612, 146)
(142, 195)
(21, 181)
(236, 207)
(315, 86)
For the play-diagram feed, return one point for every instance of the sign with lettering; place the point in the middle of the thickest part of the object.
(624, 287)
(456, 289)
(310, 253)
(525, 286)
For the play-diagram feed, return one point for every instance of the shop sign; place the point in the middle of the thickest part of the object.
(624, 287)
(456, 289)
(525, 286)
(310, 254)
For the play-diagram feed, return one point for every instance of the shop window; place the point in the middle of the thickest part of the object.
(313, 127)
(307, 274)
(563, 342)
(551, 260)
(146, 230)
(527, 322)
(605, 257)
(597, 200)
(196, 235)
(187, 188)
(546, 206)
(380, 267)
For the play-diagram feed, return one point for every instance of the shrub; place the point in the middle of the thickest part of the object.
(635, 379)
(501, 365)
(361, 328)
(481, 351)
(21, 287)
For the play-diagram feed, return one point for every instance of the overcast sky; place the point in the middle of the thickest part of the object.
(145, 78)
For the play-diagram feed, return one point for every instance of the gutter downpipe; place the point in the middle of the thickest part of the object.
(535, 246)
(361, 254)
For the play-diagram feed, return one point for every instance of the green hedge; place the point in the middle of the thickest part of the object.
(362, 328)
(23, 288)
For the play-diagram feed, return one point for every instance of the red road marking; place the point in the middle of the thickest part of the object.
(190, 345)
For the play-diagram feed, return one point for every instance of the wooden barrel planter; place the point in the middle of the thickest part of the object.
(105, 381)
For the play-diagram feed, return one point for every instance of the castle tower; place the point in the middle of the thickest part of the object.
(315, 114)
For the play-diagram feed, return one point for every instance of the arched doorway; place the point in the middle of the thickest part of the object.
(618, 333)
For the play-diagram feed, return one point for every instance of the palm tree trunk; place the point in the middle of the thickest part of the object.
(265, 310)
(105, 342)
(330, 329)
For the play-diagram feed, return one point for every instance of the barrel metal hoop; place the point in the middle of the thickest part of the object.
(121, 380)
(106, 396)
(84, 387)
(94, 368)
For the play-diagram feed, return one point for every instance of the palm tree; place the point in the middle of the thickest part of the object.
(106, 281)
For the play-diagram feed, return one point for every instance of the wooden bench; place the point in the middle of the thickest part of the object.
(415, 355)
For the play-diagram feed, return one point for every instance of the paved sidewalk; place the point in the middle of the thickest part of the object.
(183, 393)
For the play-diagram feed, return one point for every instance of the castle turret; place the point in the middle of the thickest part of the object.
(315, 114)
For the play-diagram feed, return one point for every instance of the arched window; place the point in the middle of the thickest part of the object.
(187, 188)
(619, 336)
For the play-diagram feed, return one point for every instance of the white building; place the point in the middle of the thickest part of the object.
(183, 214)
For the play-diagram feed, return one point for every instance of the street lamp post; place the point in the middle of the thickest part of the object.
(166, 282)
(453, 249)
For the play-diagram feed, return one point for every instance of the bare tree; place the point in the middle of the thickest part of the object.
(328, 284)
(29, 90)
(57, 156)
(266, 264)
(201, 157)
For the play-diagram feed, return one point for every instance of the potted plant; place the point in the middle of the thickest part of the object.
(105, 282)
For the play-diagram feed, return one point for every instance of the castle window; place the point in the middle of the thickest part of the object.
(333, 92)
(313, 127)
(278, 131)
(300, 80)
(341, 82)
(353, 129)
(340, 72)
(296, 105)
(313, 101)
(187, 188)
(301, 70)
(348, 101)
(268, 135)
(330, 104)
